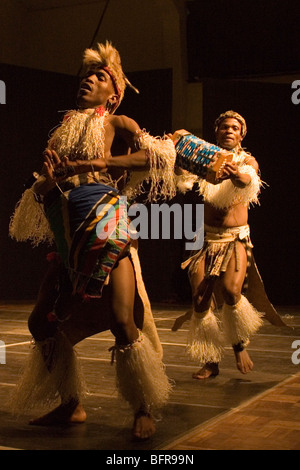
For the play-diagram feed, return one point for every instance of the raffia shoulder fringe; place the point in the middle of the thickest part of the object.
(29, 223)
(80, 135)
(162, 156)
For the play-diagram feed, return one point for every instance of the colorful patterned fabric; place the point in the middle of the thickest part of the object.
(90, 227)
(195, 154)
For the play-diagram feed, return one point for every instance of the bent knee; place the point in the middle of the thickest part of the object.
(120, 326)
(40, 327)
(231, 293)
(123, 328)
(200, 303)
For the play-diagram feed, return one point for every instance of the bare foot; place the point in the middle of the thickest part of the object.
(243, 361)
(209, 370)
(144, 426)
(63, 414)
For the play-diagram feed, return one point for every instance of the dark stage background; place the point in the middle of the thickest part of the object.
(242, 38)
(33, 99)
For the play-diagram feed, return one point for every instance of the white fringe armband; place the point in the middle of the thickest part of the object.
(162, 156)
(226, 194)
(29, 223)
(185, 182)
(249, 194)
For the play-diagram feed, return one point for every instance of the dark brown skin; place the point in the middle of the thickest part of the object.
(96, 89)
(228, 136)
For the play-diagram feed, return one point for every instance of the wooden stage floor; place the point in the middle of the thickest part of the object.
(260, 410)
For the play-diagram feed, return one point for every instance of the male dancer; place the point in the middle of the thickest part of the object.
(218, 272)
(75, 203)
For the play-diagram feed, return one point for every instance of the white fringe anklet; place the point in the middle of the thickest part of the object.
(240, 321)
(141, 377)
(51, 372)
(205, 342)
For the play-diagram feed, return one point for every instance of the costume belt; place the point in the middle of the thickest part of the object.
(215, 241)
(225, 235)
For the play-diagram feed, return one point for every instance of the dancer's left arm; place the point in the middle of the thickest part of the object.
(238, 178)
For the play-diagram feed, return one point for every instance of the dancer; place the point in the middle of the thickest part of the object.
(94, 282)
(220, 272)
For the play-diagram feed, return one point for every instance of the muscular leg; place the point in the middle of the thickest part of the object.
(123, 294)
(38, 323)
(232, 283)
(202, 290)
(125, 331)
(70, 411)
(87, 319)
(182, 319)
(201, 294)
(120, 303)
(232, 280)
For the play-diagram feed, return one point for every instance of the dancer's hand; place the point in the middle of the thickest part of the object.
(52, 165)
(57, 169)
(231, 171)
(47, 180)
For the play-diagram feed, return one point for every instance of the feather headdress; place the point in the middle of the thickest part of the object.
(107, 57)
